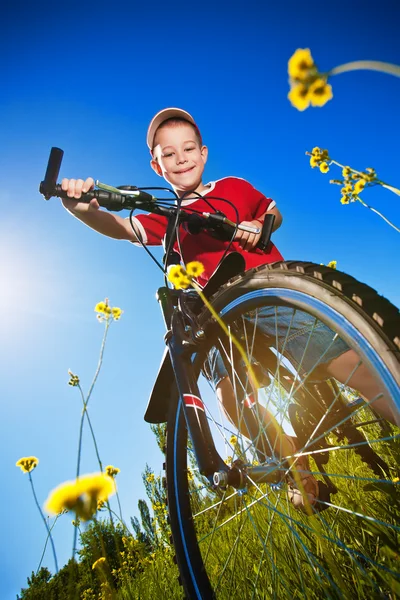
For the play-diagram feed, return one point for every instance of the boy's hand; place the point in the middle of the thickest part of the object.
(75, 188)
(248, 241)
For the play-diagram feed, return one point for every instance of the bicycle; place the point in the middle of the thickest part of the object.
(233, 528)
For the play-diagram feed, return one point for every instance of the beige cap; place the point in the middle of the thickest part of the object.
(163, 115)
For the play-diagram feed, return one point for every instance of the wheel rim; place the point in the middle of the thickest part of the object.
(252, 542)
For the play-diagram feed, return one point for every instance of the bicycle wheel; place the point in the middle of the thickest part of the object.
(250, 542)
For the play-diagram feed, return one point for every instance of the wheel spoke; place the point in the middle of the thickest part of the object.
(252, 542)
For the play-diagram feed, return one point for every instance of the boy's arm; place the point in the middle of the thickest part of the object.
(104, 222)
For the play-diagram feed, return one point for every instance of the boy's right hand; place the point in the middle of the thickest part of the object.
(75, 188)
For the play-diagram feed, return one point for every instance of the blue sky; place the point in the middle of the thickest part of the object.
(88, 78)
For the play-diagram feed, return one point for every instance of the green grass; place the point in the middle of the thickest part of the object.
(270, 550)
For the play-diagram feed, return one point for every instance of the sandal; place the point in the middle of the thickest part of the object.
(303, 490)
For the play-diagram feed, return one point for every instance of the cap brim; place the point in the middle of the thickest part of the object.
(163, 115)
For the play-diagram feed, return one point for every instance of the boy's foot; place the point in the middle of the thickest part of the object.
(303, 487)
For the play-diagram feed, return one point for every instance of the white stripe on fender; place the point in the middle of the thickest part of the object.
(193, 401)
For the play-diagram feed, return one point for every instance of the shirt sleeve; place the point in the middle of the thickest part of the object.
(151, 228)
(258, 203)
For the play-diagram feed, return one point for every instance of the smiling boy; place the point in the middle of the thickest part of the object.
(179, 156)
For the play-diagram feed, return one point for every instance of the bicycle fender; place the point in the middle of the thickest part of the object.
(157, 407)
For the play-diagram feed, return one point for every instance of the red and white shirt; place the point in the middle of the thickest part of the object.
(250, 204)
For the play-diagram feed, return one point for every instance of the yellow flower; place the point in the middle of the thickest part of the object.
(116, 313)
(314, 160)
(81, 495)
(104, 308)
(347, 189)
(359, 186)
(99, 562)
(27, 463)
(100, 307)
(194, 269)
(112, 471)
(190, 475)
(300, 64)
(332, 264)
(181, 277)
(65, 497)
(181, 283)
(320, 92)
(175, 272)
(344, 200)
(159, 507)
(97, 485)
(324, 167)
(150, 478)
(370, 174)
(74, 379)
(316, 151)
(395, 480)
(233, 440)
(346, 171)
(298, 96)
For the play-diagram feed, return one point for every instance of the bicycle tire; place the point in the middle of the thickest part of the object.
(317, 556)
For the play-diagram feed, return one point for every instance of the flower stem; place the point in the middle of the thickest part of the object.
(103, 344)
(120, 509)
(375, 182)
(390, 188)
(45, 545)
(92, 432)
(120, 519)
(45, 522)
(84, 409)
(378, 213)
(85, 402)
(366, 65)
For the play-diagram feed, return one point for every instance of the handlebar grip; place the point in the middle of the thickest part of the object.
(266, 232)
(52, 171)
(60, 193)
(109, 200)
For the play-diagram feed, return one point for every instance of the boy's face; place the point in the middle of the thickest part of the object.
(178, 157)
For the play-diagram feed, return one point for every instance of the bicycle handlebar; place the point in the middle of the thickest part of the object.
(136, 198)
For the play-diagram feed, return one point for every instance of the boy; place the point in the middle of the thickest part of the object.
(179, 156)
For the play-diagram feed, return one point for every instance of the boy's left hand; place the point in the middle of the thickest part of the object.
(248, 241)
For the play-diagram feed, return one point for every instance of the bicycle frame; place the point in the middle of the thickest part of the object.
(183, 338)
